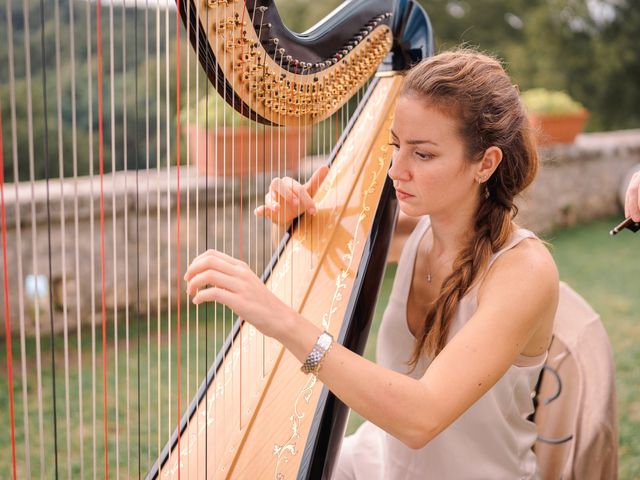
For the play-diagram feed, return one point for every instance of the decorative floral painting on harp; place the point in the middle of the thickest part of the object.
(108, 370)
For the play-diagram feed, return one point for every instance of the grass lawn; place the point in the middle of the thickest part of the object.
(154, 409)
(604, 269)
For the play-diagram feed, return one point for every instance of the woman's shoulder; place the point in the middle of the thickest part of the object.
(522, 287)
(528, 264)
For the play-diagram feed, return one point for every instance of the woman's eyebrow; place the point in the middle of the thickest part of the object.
(415, 142)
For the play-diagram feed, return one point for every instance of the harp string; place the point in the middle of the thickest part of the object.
(34, 257)
(178, 266)
(102, 234)
(47, 170)
(92, 237)
(158, 260)
(18, 227)
(188, 162)
(206, 246)
(137, 208)
(252, 193)
(169, 278)
(63, 235)
(125, 162)
(241, 181)
(76, 236)
(114, 222)
(197, 226)
(148, 225)
(225, 108)
(7, 320)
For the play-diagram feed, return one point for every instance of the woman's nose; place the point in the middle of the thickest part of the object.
(398, 170)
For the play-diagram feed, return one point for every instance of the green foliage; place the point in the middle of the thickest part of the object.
(300, 15)
(541, 100)
(587, 49)
(138, 89)
(212, 110)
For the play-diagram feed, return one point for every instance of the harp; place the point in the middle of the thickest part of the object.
(252, 414)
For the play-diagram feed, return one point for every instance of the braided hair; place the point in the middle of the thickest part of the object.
(474, 89)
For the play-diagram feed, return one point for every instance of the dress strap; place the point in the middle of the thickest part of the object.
(516, 237)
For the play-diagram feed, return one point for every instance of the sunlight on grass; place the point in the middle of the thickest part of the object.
(148, 407)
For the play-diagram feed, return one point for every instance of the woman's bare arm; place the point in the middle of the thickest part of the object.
(518, 298)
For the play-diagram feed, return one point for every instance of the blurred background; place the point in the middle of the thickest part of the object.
(587, 49)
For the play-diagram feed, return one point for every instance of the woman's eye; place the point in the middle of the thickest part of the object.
(394, 145)
(424, 155)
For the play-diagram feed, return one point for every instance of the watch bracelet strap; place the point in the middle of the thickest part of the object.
(313, 362)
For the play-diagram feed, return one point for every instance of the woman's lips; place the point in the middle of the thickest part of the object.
(402, 195)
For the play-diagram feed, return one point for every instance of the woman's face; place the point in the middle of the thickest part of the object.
(429, 169)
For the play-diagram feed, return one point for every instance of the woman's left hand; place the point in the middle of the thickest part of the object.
(216, 277)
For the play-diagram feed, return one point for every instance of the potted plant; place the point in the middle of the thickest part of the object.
(225, 143)
(554, 115)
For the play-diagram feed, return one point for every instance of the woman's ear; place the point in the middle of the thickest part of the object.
(490, 161)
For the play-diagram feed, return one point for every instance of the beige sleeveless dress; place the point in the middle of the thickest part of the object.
(492, 440)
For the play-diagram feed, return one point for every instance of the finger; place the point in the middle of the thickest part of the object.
(271, 203)
(316, 180)
(273, 215)
(212, 259)
(306, 202)
(264, 211)
(260, 211)
(212, 278)
(214, 294)
(285, 193)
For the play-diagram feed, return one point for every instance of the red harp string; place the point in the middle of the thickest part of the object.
(7, 318)
(102, 236)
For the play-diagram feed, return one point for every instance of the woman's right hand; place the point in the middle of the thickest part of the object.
(288, 199)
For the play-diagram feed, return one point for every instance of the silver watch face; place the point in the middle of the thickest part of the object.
(324, 340)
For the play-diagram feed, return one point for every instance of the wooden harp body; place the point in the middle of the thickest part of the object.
(255, 415)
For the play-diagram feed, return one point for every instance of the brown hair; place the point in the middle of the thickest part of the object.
(475, 90)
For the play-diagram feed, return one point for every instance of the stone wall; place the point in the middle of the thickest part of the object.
(580, 181)
(140, 241)
(577, 182)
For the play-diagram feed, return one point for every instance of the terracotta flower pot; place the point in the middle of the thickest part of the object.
(245, 151)
(558, 128)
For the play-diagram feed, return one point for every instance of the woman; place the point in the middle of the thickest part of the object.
(470, 316)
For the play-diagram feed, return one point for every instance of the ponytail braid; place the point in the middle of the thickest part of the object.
(488, 111)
